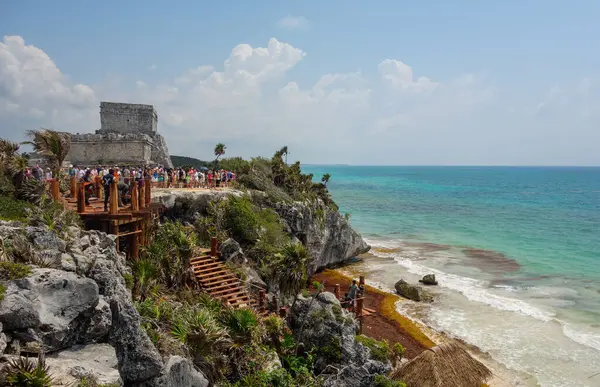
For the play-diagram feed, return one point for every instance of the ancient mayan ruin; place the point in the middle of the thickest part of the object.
(128, 135)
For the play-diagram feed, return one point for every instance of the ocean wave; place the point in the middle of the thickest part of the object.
(583, 338)
(475, 290)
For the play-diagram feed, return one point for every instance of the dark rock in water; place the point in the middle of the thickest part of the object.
(412, 292)
(339, 358)
(428, 279)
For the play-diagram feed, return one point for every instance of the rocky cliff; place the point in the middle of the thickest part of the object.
(328, 236)
(78, 310)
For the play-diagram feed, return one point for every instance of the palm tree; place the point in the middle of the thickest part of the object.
(284, 151)
(53, 145)
(292, 269)
(219, 151)
(325, 179)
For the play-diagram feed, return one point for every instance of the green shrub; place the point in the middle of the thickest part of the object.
(92, 381)
(25, 372)
(380, 350)
(11, 271)
(398, 350)
(384, 381)
(2, 291)
(240, 323)
(11, 209)
(332, 352)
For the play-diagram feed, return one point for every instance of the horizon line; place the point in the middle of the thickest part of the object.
(452, 165)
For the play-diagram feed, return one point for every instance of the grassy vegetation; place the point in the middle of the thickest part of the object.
(384, 381)
(380, 350)
(13, 209)
(12, 271)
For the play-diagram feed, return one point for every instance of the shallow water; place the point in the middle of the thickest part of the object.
(516, 252)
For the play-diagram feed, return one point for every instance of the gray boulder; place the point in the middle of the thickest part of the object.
(100, 323)
(322, 323)
(180, 372)
(412, 292)
(232, 252)
(428, 279)
(55, 304)
(94, 361)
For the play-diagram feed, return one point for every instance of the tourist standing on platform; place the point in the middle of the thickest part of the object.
(352, 294)
(107, 181)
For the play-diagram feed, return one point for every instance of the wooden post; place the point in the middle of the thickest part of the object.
(214, 244)
(73, 185)
(361, 280)
(148, 184)
(114, 199)
(135, 242)
(135, 204)
(337, 291)
(262, 295)
(81, 197)
(142, 201)
(282, 312)
(55, 189)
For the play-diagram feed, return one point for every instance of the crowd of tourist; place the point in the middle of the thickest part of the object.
(161, 177)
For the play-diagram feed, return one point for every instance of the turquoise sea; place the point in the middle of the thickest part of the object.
(516, 251)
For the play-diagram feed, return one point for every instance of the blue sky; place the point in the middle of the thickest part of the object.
(503, 83)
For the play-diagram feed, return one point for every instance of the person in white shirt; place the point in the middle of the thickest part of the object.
(48, 174)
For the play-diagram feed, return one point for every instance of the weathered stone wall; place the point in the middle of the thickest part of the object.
(110, 148)
(127, 118)
(160, 152)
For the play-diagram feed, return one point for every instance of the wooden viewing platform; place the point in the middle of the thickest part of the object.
(130, 222)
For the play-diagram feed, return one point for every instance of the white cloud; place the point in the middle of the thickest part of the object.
(31, 85)
(250, 103)
(293, 22)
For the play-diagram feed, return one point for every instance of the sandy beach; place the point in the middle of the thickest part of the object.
(388, 324)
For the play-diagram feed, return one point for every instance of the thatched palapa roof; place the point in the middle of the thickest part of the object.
(446, 365)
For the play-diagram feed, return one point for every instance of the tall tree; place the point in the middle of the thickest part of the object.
(219, 151)
(53, 145)
(284, 151)
(325, 179)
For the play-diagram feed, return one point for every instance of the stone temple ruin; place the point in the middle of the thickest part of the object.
(127, 136)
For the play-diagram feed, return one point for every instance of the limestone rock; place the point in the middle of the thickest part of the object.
(326, 234)
(56, 304)
(100, 323)
(253, 280)
(139, 361)
(44, 239)
(428, 279)
(232, 252)
(180, 372)
(412, 292)
(97, 361)
(327, 326)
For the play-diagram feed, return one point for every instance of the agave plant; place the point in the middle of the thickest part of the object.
(241, 324)
(144, 274)
(25, 371)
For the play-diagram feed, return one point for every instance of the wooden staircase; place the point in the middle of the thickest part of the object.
(216, 279)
